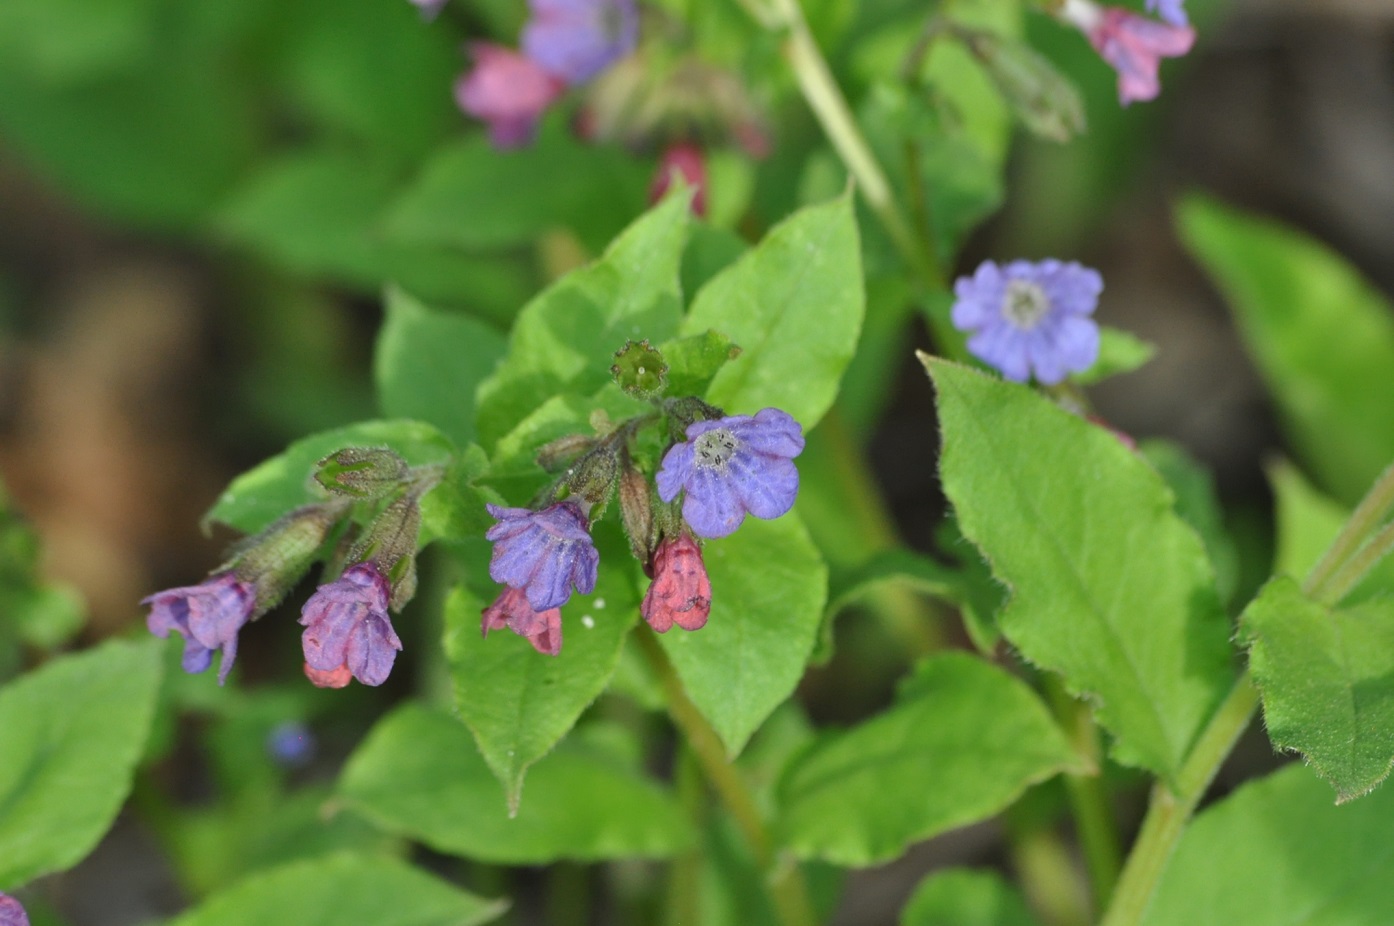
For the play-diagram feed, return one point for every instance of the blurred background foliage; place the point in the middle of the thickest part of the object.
(201, 204)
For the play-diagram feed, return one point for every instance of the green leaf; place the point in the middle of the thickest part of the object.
(963, 897)
(419, 774)
(518, 702)
(565, 339)
(427, 364)
(962, 741)
(769, 588)
(1119, 352)
(1198, 506)
(70, 736)
(794, 304)
(344, 889)
(1277, 851)
(1109, 587)
(1327, 679)
(67, 40)
(694, 361)
(1307, 523)
(275, 486)
(1321, 335)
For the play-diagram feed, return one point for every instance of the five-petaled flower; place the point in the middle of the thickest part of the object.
(207, 615)
(733, 466)
(12, 912)
(577, 39)
(544, 553)
(680, 592)
(1133, 45)
(512, 610)
(1030, 319)
(347, 630)
(507, 90)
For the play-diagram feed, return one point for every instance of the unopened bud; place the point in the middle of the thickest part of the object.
(1045, 101)
(593, 476)
(554, 456)
(390, 544)
(274, 560)
(361, 472)
(640, 370)
(636, 512)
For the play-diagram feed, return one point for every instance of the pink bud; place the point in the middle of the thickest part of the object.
(687, 161)
(1134, 45)
(333, 678)
(507, 90)
(511, 609)
(680, 592)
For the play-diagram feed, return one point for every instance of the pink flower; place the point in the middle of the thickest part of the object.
(1134, 45)
(207, 615)
(347, 630)
(685, 160)
(511, 609)
(507, 90)
(680, 592)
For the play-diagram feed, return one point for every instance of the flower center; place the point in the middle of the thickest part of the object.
(1024, 304)
(715, 448)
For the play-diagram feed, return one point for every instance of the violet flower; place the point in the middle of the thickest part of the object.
(1027, 318)
(347, 630)
(733, 466)
(577, 39)
(507, 90)
(12, 912)
(207, 615)
(544, 553)
(1169, 11)
(512, 610)
(1133, 45)
(681, 592)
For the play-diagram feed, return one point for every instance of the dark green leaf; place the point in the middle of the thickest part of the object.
(962, 897)
(1198, 506)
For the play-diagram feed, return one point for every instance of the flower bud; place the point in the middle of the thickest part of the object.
(686, 161)
(360, 472)
(636, 511)
(274, 560)
(390, 542)
(555, 455)
(680, 592)
(640, 370)
(1045, 101)
(593, 476)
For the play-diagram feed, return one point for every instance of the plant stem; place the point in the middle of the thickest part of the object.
(1171, 808)
(784, 880)
(1349, 574)
(1365, 518)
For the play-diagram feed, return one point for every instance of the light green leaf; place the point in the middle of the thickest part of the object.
(794, 304)
(1307, 523)
(1119, 352)
(769, 588)
(428, 363)
(1109, 587)
(518, 702)
(1327, 678)
(963, 740)
(1321, 335)
(338, 889)
(963, 897)
(420, 775)
(70, 736)
(1277, 852)
(275, 486)
(695, 360)
(565, 339)
(1198, 506)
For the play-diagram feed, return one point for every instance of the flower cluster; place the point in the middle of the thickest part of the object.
(348, 632)
(1133, 45)
(11, 912)
(564, 44)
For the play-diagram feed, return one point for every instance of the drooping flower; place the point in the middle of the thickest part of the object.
(544, 553)
(733, 466)
(347, 630)
(680, 592)
(507, 90)
(12, 912)
(577, 39)
(1133, 45)
(1169, 11)
(207, 615)
(512, 610)
(687, 161)
(1030, 318)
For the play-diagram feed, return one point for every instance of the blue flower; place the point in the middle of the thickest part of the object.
(11, 912)
(208, 616)
(347, 630)
(1030, 319)
(733, 466)
(545, 553)
(1169, 11)
(577, 39)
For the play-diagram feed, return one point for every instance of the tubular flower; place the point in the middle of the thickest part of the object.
(1169, 11)
(733, 466)
(347, 630)
(680, 592)
(512, 610)
(1027, 318)
(577, 39)
(11, 912)
(543, 553)
(208, 616)
(1133, 45)
(507, 90)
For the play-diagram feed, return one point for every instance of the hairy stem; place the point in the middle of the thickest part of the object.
(784, 879)
(1364, 519)
(1349, 573)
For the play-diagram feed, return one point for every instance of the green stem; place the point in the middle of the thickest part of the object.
(1364, 519)
(683, 900)
(784, 880)
(1171, 808)
(1046, 871)
(1349, 574)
